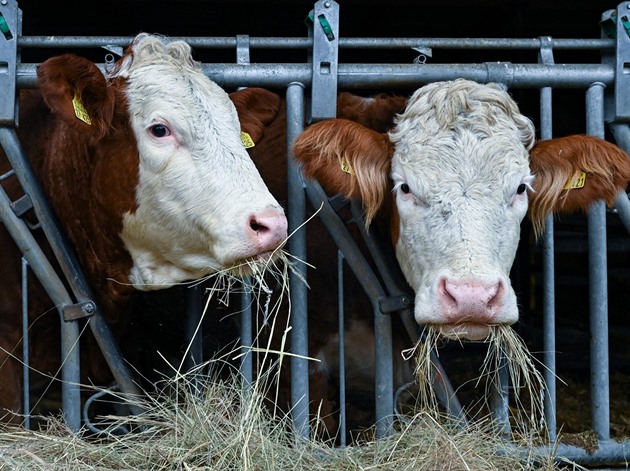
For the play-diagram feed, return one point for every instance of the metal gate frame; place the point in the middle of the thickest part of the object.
(606, 103)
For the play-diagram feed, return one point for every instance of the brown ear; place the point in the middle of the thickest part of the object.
(347, 158)
(377, 112)
(63, 77)
(257, 108)
(558, 162)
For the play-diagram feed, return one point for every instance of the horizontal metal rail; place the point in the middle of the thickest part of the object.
(352, 76)
(229, 42)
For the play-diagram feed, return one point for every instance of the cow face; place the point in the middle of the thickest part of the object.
(454, 176)
(457, 168)
(201, 204)
(460, 171)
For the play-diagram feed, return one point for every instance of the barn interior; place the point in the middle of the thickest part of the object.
(399, 19)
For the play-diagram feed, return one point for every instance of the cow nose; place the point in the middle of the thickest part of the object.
(471, 300)
(267, 230)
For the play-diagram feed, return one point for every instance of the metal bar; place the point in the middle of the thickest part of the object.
(69, 264)
(193, 331)
(600, 394)
(55, 288)
(549, 299)
(342, 351)
(229, 42)
(297, 247)
(26, 383)
(247, 364)
(391, 75)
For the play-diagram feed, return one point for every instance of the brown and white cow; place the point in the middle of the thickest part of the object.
(147, 172)
(454, 178)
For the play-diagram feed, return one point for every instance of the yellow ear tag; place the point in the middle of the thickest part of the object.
(79, 110)
(247, 140)
(345, 166)
(577, 182)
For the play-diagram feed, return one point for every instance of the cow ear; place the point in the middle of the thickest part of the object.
(377, 112)
(571, 172)
(347, 158)
(257, 108)
(76, 90)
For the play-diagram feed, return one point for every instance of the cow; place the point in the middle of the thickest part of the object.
(455, 178)
(449, 179)
(146, 170)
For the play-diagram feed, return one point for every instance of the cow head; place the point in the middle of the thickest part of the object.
(169, 162)
(457, 166)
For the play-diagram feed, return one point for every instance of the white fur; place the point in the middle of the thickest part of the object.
(462, 148)
(197, 187)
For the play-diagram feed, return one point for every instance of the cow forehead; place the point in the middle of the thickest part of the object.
(461, 160)
(163, 80)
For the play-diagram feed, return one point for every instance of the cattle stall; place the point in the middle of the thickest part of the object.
(537, 73)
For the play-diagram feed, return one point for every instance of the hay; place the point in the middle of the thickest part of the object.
(217, 425)
(506, 355)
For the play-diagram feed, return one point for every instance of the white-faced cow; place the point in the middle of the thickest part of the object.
(460, 167)
(147, 172)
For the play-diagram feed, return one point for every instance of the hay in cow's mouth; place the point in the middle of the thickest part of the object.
(505, 349)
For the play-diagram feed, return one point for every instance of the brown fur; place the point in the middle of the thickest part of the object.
(555, 162)
(367, 153)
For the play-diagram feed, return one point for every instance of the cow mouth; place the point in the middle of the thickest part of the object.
(257, 264)
(465, 331)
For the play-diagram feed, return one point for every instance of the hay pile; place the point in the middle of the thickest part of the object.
(216, 425)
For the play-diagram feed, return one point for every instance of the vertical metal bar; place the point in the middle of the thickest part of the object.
(342, 350)
(247, 367)
(193, 330)
(26, 384)
(549, 277)
(383, 374)
(598, 278)
(297, 247)
(500, 401)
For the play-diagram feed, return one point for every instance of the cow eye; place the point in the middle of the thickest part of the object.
(159, 130)
(521, 188)
(405, 188)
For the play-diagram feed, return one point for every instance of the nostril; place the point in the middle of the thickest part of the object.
(257, 226)
(497, 295)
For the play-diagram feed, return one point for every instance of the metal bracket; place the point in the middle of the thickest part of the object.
(22, 205)
(324, 29)
(392, 304)
(72, 312)
(9, 31)
(617, 23)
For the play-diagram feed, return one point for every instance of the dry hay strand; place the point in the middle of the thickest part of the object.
(218, 425)
(506, 355)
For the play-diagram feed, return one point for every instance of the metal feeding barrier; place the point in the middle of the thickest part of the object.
(311, 91)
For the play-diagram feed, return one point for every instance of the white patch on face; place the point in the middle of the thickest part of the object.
(461, 195)
(198, 189)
